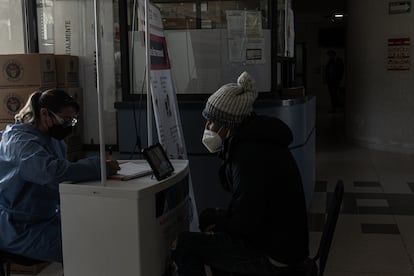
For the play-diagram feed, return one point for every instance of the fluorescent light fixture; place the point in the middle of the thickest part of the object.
(339, 15)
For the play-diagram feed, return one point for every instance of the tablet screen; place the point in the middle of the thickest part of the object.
(158, 160)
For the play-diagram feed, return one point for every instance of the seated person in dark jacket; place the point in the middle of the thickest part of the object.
(264, 230)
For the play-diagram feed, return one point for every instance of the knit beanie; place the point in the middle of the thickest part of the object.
(232, 103)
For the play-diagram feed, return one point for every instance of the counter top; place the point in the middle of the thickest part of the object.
(133, 188)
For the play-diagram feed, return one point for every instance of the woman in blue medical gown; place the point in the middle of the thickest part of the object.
(32, 164)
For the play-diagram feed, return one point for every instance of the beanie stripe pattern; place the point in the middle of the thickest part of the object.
(232, 103)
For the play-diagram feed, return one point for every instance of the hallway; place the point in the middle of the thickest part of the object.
(374, 234)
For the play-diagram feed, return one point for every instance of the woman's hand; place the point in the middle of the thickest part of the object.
(112, 166)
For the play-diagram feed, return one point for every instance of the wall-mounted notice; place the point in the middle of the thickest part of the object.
(245, 36)
(398, 53)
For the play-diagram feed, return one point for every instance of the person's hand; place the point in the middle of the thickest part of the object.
(210, 218)
(209, 229)
(112, 166)
(173, 245)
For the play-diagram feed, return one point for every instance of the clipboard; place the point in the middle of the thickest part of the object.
(130, 170)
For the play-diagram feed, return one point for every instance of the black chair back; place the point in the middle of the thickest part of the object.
(330, 225)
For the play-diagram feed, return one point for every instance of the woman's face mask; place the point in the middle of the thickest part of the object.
(212, 141)
(59, 132)
(64, 127)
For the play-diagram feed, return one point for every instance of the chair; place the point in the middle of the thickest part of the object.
(328, 231)
(316, 266)
(6, 259)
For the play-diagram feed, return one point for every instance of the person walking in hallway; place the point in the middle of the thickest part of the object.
(334, 71)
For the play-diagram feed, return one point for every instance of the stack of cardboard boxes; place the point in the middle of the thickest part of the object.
(67, 78)
(20, 76)
(23, 74)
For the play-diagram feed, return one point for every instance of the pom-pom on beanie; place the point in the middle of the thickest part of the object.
(232, 103)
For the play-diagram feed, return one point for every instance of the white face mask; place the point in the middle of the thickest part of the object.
(212, 141)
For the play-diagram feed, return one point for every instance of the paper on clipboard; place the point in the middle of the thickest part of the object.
(130, 170)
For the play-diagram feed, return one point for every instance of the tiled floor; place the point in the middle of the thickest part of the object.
(375, 230)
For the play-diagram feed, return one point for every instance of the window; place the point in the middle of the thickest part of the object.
(11, 27)
(203, 52)
(178, 15)
(206, 14)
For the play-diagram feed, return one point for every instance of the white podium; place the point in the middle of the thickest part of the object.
(125, 227)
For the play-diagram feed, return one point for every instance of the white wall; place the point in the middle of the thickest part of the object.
(380, 103)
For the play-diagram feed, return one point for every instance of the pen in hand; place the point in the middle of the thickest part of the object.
(113, 165)
(110, 154)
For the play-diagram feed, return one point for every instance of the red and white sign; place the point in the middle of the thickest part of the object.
(398, 54)
(164, 98)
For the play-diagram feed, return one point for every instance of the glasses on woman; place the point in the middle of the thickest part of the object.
(65, 123)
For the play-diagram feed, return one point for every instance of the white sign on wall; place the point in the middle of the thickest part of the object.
(399, 7)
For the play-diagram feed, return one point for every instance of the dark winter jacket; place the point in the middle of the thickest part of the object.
(268, 207)
(334, 71)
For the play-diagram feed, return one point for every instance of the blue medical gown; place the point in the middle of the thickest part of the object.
(32, 165)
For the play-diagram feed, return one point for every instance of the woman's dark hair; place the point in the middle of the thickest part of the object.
(52, 99)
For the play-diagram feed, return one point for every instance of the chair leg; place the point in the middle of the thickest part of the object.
(314, 271)
(2, 268)
(8, 268)
(311, 268)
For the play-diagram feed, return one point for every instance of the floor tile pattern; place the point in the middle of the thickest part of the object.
(375, 230)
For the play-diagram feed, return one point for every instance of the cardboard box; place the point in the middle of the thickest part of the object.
(28, 70)
(67, 71)
(4, 123)
(3, 126)
(75, 92)
(12, 100)
(74, 144)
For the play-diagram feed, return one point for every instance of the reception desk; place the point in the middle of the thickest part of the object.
(124, 227)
